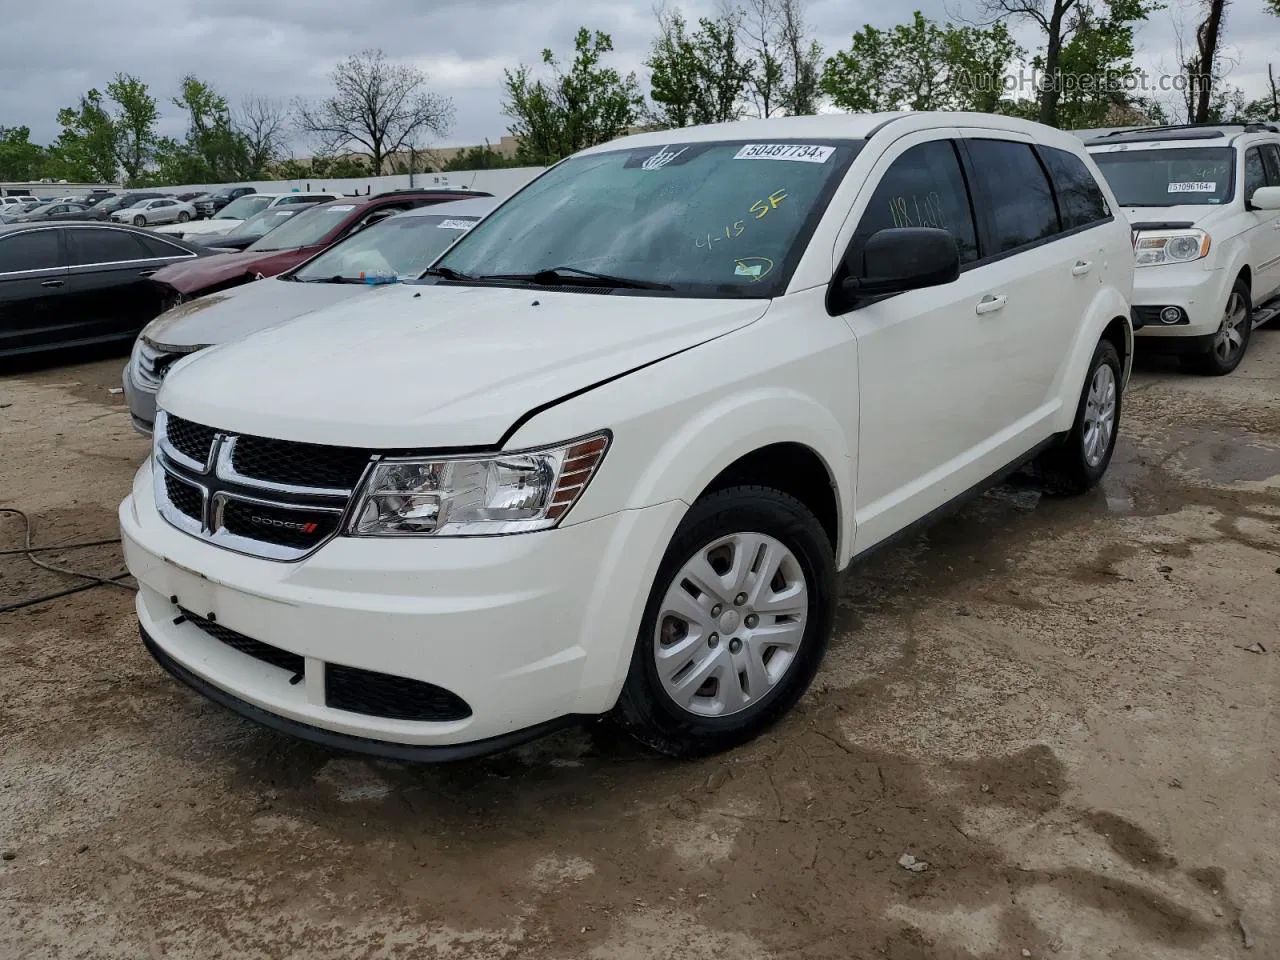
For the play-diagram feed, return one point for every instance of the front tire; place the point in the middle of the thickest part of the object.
(1232, 338)
(139, 221)
(1078, 464)
(183, 216)
(735, 626)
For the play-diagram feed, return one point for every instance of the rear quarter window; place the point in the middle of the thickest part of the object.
(1081, 202)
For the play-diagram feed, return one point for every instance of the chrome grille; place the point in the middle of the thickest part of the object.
(153, 364)
(280, 501)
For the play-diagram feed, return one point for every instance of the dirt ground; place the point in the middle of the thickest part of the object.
(1049, 702)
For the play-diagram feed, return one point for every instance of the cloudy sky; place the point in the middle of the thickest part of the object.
(286, 48)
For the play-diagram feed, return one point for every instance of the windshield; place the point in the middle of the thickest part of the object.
(1199, 176)
(308, 226)
(713, 219)
(262, 223)
(115, 203)
(39, 208)
(243, 208)
(400, 247)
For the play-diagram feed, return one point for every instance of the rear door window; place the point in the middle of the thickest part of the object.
(95, 246)
(1255, 173)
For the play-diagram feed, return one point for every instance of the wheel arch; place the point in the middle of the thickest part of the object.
(1106, 319)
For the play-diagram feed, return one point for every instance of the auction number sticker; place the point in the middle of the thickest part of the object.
(1193, 187)
(454, 224)
(802, 152)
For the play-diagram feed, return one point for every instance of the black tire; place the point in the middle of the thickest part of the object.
(183, 216)
(1066, 468)
(1213, 363)
(139, 221)
(645, 709)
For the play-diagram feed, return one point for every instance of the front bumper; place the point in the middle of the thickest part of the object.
(528, 630)
(141, 401)
(1200, 293)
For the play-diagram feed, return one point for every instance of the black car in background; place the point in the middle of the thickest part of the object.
(54, 211)
(208, 206)
(73, 284)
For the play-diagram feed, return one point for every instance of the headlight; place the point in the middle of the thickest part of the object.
(473, 497)
(1150, 251)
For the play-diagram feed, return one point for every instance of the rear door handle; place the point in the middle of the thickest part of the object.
(991, 303)
(52, 283)
(1081, 268)
(145, 273)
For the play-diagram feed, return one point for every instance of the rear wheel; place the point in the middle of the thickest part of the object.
(1080, 461)
(139, 221)
(1232, 338)
(735, 626)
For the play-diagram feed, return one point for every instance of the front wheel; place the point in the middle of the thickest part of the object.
(183, 216)
(1079, 462)
(1232, 339)
(139, 221)
(735, 626)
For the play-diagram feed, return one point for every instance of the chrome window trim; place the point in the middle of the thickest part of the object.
(43, 228)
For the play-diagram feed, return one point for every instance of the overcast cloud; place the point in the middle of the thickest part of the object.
(287, 48)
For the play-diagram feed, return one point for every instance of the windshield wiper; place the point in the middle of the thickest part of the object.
(337, 278)
(566, 276)
(448, 273)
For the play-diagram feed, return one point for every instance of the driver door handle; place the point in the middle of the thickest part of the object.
(52, 283)
(145, 273)
(991, 303)
(1081, 268)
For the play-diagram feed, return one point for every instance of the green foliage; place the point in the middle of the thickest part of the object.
(214, 151)
(347, 166)
(86, 148)
(921, 65)
(135, 125)
(20, 159)
(697, 77)
(1097, 66)
(587, 105)
(479, 158)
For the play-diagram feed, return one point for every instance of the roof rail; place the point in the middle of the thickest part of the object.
(433, 189)
(1247, 126)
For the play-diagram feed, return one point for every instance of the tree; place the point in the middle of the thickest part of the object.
(478, 158)
(135, 125)
(1060, 22)
(696, 77)
(1266, 108)
(213, 151)
(921, 65)
(760, 29)
(1098, 74)
(86, 148)
(378, 105)
(20, 159)
(262, 126)
(589, 104)
(801, 58)
(1202, 69)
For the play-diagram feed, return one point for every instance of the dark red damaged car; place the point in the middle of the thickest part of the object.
(295, 241)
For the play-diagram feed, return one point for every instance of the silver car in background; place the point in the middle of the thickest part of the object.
(393, 250)
(158, 210)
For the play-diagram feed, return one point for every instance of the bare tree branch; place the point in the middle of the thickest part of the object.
(263, 123)
(379, 105)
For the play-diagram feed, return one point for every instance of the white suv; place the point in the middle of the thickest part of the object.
(1204, 203)
(610, 453)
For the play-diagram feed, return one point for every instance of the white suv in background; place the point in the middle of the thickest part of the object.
(238, 211)
(609, 456)
(1204, 204)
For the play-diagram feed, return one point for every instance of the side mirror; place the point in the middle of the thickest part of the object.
(898, 259)
(1265, 198)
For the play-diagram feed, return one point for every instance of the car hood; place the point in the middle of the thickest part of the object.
(240, 311)
(423, 366)
(192, 276)
(1181, 216)
(201, 227)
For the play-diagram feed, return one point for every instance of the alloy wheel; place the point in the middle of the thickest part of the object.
(1230, 338)
(1099, 415)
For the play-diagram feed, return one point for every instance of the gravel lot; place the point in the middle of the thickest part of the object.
(1048, 702)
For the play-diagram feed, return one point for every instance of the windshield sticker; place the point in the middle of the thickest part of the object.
(755, 268)
(802, 152)
(668, 155)
(1193, 187)
(661, 158)
(454, 224)
(341, 208)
